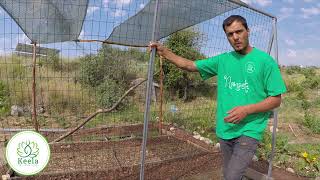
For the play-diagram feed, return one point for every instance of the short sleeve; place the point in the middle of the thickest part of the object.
(274, 83)
(208, 67)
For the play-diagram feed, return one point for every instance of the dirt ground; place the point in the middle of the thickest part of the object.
(176, 155)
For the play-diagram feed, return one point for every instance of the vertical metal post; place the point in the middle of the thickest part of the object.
(34, 110)
(271, 41)
(149, 91)
(275, 111)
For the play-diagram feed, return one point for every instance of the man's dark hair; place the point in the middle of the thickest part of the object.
(232, 18)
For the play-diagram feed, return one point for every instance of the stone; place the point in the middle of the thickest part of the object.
(6, 177)
(290, 170)
(201, 138)
(16, 110)
(207, 141)
(195, 133)
(255, 158)
(271, 129)
(217, 146)
(172, 129)
(41, 110)
(197, 136)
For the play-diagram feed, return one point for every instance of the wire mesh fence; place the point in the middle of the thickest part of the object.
(80, 80)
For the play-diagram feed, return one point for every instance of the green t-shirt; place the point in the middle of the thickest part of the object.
(242, 80)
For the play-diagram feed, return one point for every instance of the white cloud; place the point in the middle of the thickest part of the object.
(122, 2)
(285, 13)
(141, 6)
(259, 30)
(118, 3)
(262, 3)
(308, 1)
(7, 45)
(290, 42)
(119, 13)
(306, 57)
(291, 53)
(307, 12)
(288, 1)
(82, 34)
(92, 9)
(105, 3)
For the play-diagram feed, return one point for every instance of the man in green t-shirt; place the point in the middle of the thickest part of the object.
(249, 87)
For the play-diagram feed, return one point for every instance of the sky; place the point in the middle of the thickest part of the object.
(298, 24)
(298, 28)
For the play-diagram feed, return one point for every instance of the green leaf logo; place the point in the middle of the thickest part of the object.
(28, 149)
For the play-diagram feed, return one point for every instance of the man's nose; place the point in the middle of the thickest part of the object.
(235, 36)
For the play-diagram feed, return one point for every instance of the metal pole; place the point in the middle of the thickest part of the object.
(275, 111)
(161, 97)
(271, 41)
(148, 93)
(34, 111)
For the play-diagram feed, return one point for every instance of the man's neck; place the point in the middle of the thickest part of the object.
(245, 51)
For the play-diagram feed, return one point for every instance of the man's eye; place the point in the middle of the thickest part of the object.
(240, 31)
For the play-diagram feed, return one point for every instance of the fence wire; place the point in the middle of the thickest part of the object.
(75, 80)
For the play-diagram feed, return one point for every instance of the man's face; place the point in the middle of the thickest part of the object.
(237, 35)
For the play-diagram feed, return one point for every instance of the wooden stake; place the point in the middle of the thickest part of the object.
(34, 111)
(161, 96)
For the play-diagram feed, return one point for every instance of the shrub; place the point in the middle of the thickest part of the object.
(54, 61)
(312, 122)
(4, 99)
(293, 70)
(92, 71)
(110, 63)
(186, 44)
(312, 82)
(293, 86)
(109, 92)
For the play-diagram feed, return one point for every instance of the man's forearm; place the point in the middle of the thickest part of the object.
(180, 62)
(268, 104)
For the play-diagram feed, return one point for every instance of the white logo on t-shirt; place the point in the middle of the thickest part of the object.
(250, 67)
(234, 85)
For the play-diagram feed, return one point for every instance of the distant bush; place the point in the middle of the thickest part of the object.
(109, 73)
(185, 44)
(293, 86)
(311, 82)
(92, 71)
(109, 92)
(4, 99)
(54, 61)
(110, 63)
(307, 72)
(293, 70)
(312, 122)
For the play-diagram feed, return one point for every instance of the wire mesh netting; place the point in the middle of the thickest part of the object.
(80, 82)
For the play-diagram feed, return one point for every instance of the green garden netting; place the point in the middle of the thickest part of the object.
(48, 21)
(173, 15)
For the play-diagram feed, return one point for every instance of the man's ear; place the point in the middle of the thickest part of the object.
(248, 31)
